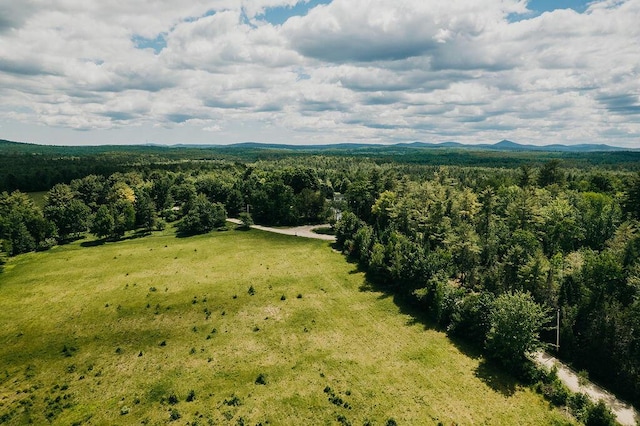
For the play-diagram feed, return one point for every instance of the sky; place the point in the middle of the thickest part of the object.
(90, 72)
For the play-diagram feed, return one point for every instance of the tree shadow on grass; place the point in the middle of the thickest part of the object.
(488, 372)
(183, 234)
(70, 239)
(188, 234)
(496, 379)
(99, 242)
(406, 303)
(93, 243)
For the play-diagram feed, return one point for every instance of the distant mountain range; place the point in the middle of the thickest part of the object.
(504, 145)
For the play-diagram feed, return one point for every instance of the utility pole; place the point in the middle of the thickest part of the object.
(558, 331)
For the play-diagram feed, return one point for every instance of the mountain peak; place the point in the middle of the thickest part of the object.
(504, 143)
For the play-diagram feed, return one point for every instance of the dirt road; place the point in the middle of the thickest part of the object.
(305, 231)
(625, 413)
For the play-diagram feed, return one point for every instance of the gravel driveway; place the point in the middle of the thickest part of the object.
(625, 413)
(305, 231)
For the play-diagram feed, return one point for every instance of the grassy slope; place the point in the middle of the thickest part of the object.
(95, 300)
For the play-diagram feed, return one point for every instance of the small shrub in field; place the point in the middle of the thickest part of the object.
(118, 350)
(283, 297)
(192, 351)
(343, 420)
(251, 291)
(391, 422)
(68, 351)
(175, 415)
(163, 343)
(261, 379)
(124, 410)
(234, 401)
(336, 400)
(29, 372)
(173, 399)
(191, 396)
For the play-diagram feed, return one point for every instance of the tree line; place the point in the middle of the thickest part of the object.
(492, 263)
(197, 201)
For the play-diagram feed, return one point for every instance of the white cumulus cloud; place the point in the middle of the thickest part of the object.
(365, 70)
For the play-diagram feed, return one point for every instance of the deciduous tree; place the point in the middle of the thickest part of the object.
(102, 225)
(202, 217)
(516, 321)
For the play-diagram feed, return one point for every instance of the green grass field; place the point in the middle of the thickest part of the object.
(163, 330)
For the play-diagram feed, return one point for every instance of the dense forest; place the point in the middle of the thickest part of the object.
(30, 167)
(457, 234)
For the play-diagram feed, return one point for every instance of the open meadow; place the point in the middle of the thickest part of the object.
(237, 327)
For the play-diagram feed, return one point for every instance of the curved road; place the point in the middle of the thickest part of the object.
(305, 231)
(625, 413)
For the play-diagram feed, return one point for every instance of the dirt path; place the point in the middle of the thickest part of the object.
(625, 413)
(305, 231)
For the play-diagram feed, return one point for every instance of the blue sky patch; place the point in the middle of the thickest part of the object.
(538, 7)
(195, 18)
(157, 44)
(279, 15)
(541, 6)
